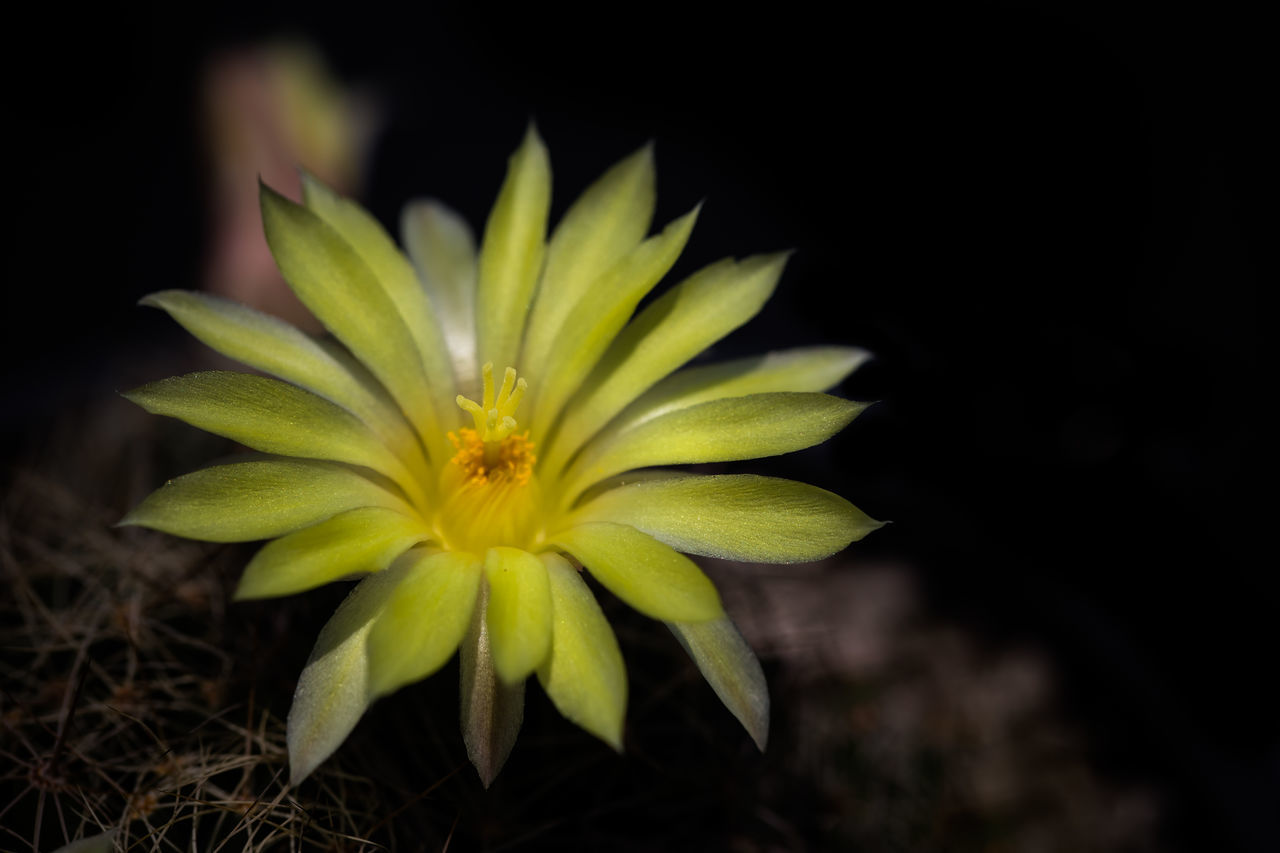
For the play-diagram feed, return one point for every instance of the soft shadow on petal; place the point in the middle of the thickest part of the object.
(649, 576)
(358, 541)
(274, 417)
(443, 250)
(584, 675)
(595, 321)
(519, 612)
(261, 499)
(606, 222)
(333, 690)
(335, 283)
(735, 428)
(273, 346)
(397, 277)
(732, 670)
(491, 712)
(677, 326)
(735, 516)
(424, 619)
(801, 369)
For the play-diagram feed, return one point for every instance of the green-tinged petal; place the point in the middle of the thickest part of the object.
(584, 674)
(731, 668)
(260, 499)
(677, 326)
(333, 690)
(718, 431)
(735, 517)
(627, 477)
(443, 250)
(649, 576)
(804, 369)
(491, 712)
(511, 253)
(519, 617)
(269, 344)
(335, 283)
(424, 620)
(397, 276)
(358, 541)
(606, 222)
(600, 314)
(274, 417)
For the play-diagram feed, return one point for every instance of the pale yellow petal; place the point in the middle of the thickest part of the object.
(732, 670)
(673, 329)
(443, 251)
(274, 417)
(397, 277)
(511, 254)
(735, 428)
(271, 345)
(519, 612)
(259, 499)
(334, 690)
(803, 369)
(607, 221)
(735, 517)
(358, 541)
(643, 572)
(600, 314)
(336, 284)
(584, 675)
(425, 618)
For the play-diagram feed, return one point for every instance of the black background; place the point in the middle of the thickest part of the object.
(1045, 222)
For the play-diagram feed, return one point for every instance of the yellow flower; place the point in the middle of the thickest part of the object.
(471, 498)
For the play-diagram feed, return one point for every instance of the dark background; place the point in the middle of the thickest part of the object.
(1045, 222)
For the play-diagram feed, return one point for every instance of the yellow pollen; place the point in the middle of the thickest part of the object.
(512, 461)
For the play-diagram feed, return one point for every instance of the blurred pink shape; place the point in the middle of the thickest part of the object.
(269, 110)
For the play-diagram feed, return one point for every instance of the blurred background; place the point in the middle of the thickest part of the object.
(1043, 219)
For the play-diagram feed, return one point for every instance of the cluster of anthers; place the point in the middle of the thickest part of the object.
(494, 449)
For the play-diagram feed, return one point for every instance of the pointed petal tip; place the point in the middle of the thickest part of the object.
(298, 773)
(684, 222)
(488, 770)
(269, 195)
(771, 259)
(873, 526)
(315, 190)
(642, 158)
(531, 134)
(300, 767)
(614, 741)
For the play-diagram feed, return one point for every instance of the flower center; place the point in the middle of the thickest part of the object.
(489, 493)
(492, 449)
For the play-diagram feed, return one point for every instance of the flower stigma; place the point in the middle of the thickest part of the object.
(489, 491)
